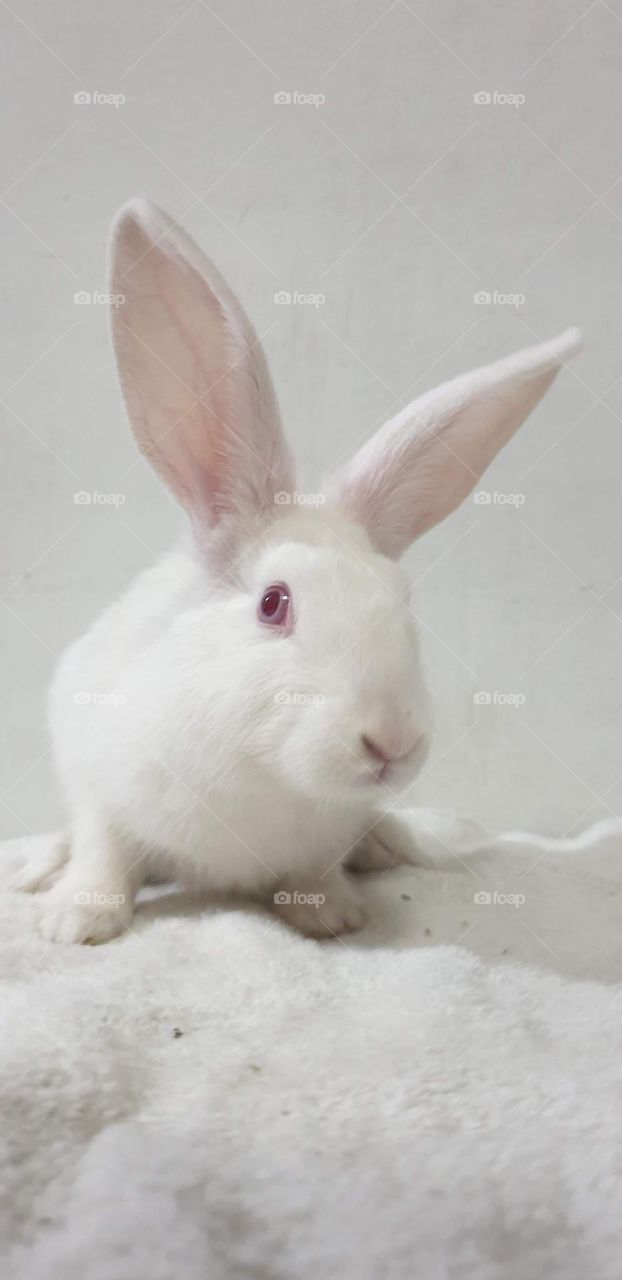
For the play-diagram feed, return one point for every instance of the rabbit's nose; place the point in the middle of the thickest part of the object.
(380, 754)
(383, 750)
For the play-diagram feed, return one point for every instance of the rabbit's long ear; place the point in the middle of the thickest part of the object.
(421, 464)
(196, 385)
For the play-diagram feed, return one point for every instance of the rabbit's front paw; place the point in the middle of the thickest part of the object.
(40, 869)
(323, 909)
(389, 843)
(78, 916)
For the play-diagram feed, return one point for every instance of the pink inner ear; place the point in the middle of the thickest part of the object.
(203, 464)
(423, 463)
(385, 492)
(178, 385)
(196, 385)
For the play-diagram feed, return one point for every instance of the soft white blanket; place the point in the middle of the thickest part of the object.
(440, 1096)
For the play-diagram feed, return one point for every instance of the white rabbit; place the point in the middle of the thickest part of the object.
(250, 694)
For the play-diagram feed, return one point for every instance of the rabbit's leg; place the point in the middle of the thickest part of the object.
(38, 872)
(320, 907)
(93, 901)
(389, 843)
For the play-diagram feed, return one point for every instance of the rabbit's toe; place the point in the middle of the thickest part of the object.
(40, 870)
(389, 843)
(83, 918)
(373, 855)
(29, 879)
(320, 913)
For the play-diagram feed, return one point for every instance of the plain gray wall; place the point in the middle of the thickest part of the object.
(398, 198)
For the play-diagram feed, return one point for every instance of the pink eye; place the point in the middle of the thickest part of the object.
(274, 605)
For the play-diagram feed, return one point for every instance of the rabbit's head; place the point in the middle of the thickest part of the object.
(305, 598)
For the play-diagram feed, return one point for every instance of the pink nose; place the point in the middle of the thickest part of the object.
(375, 750)
(387, 750)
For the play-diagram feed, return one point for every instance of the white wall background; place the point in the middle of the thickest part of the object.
(398, 199)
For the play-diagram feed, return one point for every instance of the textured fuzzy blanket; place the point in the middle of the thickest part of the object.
(214, 1096)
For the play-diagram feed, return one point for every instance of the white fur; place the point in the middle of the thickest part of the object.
(209, 746)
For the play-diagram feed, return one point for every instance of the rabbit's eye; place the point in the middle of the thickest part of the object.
(274, 605)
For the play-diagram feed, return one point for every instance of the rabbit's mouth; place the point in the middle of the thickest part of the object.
(396, 771)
